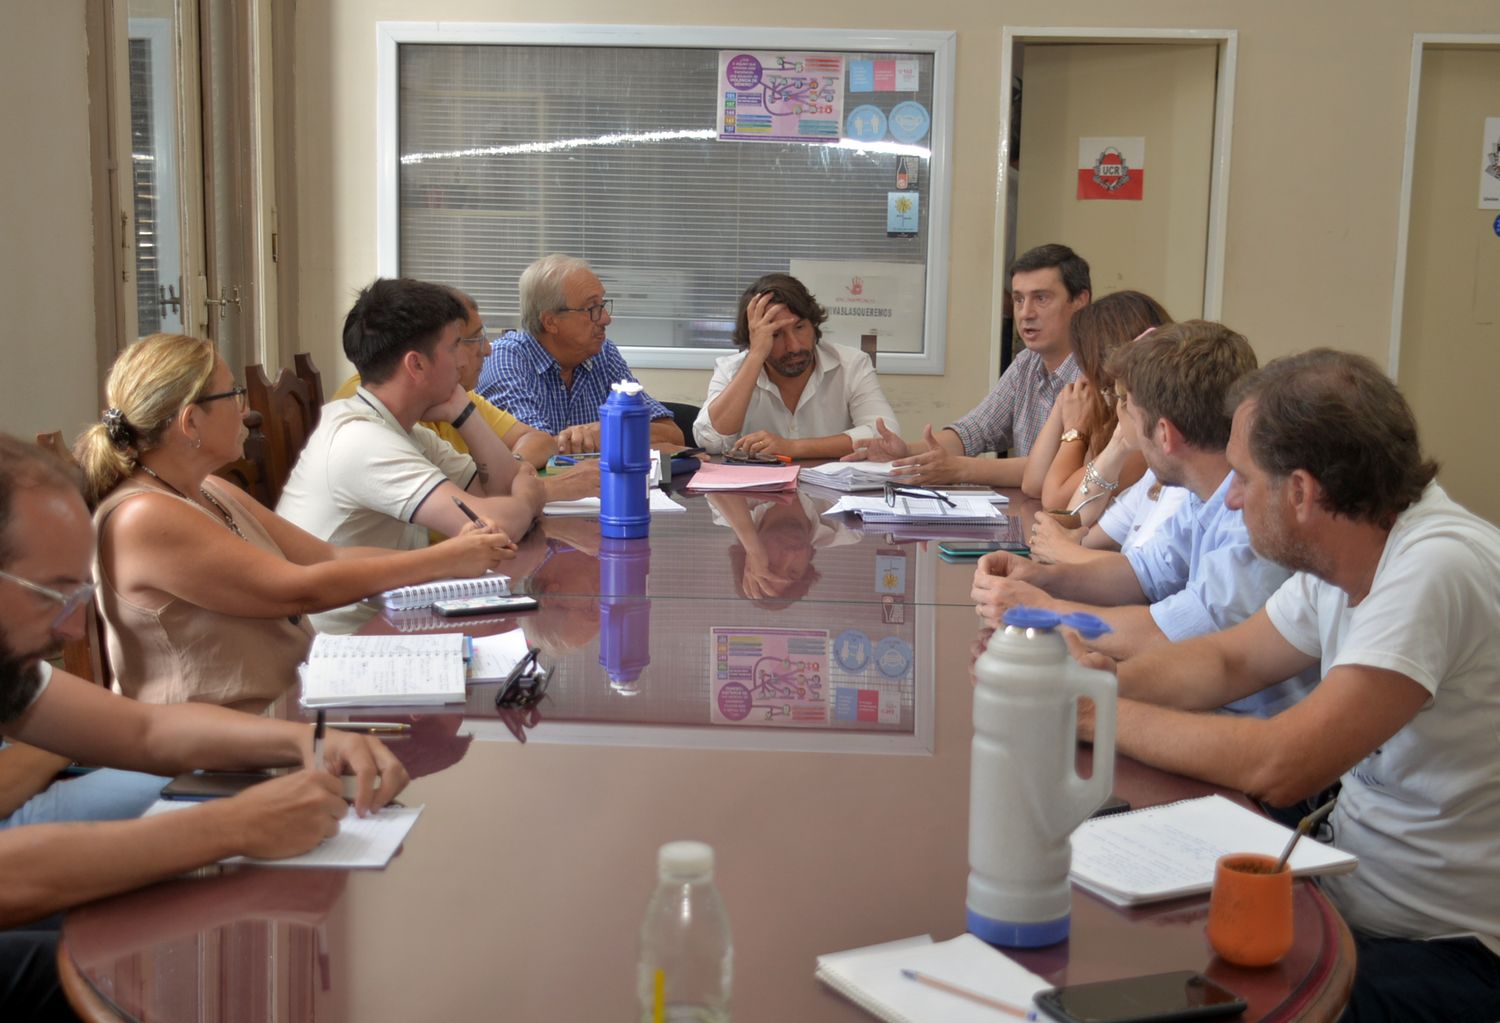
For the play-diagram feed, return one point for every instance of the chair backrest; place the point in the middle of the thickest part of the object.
(867, 344)
(251, 473)
(84, 657)
(685, 416)
(289, 408)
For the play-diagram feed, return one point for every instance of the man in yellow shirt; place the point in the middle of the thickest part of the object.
(528, 444)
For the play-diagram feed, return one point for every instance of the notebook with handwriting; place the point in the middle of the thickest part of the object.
(1166, 852)
(353, 671)
(366, 843)
(871, 978)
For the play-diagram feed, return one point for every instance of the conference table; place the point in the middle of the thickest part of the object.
(833, 786)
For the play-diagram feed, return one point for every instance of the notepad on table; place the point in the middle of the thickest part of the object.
(352, 671)
(1166, 852)
(496, 655)
(953, 511)
(362, 842)
(720, 476)
(659, 503)
(406, 597)
(872, 979)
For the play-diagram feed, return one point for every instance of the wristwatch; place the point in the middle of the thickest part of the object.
(1070, 436)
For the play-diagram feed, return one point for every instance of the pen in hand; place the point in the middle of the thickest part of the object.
(318, 741)
(468, 511)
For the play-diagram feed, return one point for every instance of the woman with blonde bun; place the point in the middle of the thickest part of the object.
(203, 589)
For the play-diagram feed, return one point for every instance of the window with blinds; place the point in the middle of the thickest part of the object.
(506, 151)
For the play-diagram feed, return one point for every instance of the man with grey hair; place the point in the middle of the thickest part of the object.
(555, 372)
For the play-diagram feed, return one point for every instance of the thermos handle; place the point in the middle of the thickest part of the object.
(1103, 689)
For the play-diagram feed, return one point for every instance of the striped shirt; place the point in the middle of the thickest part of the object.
(522, 378)
(1016, 408)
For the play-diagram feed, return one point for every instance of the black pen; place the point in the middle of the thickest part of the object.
(318, 739)
(468, 511)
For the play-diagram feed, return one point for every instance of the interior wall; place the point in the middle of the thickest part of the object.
(1450, 330)
(1311, 222)
(49, 359)
(1164, 94)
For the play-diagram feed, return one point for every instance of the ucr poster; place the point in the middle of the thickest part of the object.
(1111, 168)
(780, 97)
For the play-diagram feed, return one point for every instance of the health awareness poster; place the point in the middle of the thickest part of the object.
(767, 96)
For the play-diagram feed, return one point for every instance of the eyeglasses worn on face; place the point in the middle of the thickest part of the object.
(479, 337)
(894, 490)
(596, 311)
(238, 394)
(70, 601)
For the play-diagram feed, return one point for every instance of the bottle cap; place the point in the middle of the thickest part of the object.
(628, 386)
(685, 861)
(1032, 618)
(1086, 625)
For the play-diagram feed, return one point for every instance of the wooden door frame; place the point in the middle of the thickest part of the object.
(1419, 44)
(1227, 40)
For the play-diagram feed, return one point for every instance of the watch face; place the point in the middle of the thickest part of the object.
(1070, 436)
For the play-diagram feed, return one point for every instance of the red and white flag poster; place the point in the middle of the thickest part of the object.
(1112, 168)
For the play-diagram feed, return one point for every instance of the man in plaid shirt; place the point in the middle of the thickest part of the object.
(555, 372)
(1048, 285)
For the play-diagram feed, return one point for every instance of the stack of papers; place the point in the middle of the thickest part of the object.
(1166, 852)
(963, 510)
(872, 978)
(763, 478)
(848, 476)
(589, 506)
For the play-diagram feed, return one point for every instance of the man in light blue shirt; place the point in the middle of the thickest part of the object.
(1198, 574)
(555, 372)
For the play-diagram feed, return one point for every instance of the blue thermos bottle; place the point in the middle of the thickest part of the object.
(624, 462)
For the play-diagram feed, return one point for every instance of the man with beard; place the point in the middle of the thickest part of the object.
(46, 540)
(1198, 573)
(555, 372)
(1397, 600)
(786, 392)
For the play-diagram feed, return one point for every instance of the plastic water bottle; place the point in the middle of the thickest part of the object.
(624, 611)
(1025, 796)
(624, 462)
(686, 962)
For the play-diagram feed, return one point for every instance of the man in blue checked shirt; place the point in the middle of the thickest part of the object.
(555, 372)
(1198, 574)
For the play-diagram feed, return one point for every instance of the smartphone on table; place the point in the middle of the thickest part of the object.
(1181, 995)
(484, 605)
(970, 550)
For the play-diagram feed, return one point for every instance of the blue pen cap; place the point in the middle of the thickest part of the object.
(1032, 618)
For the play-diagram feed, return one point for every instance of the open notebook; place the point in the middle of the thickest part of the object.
(425, 595)
(1166, 852)
(352, 671)
(362, 842)
(872, 979)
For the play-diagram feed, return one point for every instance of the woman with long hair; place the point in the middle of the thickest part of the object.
(1074, 458)
(203, 589)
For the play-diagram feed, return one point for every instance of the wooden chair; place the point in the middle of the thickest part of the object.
(251, 473)
(289, 407)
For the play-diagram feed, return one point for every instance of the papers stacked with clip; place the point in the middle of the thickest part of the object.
(964, 510)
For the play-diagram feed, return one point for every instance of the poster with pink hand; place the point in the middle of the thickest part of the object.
(770, 676)
(780, 97)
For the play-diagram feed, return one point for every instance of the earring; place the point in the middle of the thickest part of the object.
(197, 443)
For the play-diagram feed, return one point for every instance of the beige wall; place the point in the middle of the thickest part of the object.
(1450, 349)
(1164, 94)
(46, 260)
(1312, 218)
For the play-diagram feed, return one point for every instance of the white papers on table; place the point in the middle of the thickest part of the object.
(871, 978)
(1165, 852)
(362, 842)
(495, 655)
(965, 509)
(848, 476)
(589, 506)
(351, 671)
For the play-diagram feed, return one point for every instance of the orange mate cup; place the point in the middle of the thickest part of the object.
(1250, 910)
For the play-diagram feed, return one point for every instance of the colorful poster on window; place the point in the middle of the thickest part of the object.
(867, 297)
(1489, 166)
(1112, 168)
(767, 96)
(770, 676)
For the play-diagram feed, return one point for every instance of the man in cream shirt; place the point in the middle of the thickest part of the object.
(786, 392)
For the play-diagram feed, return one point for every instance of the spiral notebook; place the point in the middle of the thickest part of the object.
(384, 671)
(405, 598)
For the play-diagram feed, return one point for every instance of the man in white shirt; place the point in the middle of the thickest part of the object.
(1396, 600)
(787, 392)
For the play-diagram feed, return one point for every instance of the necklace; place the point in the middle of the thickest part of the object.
(211, 499)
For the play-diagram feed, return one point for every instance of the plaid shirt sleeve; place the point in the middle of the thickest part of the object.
(509, 382)
(991, 424)
(615, 370)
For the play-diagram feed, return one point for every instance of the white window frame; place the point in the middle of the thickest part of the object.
(390, 35)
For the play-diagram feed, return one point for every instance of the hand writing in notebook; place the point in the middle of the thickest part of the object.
(478, 549)
(368, 759)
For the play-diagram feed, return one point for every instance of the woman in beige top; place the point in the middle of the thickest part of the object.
(203, 589)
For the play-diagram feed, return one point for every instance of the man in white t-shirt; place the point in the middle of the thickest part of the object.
(1397, 597)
